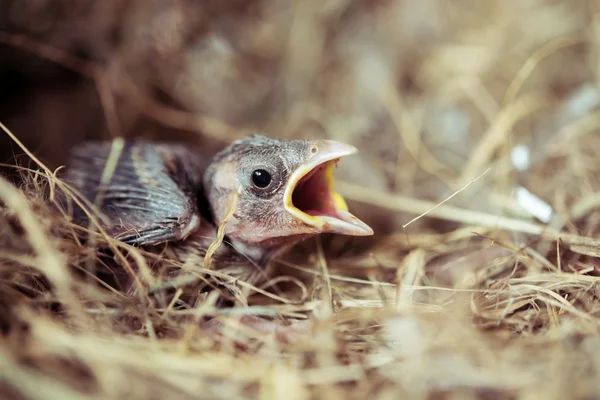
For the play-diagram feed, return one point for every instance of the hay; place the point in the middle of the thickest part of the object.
(482, 296)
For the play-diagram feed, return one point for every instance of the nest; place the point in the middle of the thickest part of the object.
(478, 130)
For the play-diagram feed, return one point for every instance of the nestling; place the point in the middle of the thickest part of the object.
(162, 192)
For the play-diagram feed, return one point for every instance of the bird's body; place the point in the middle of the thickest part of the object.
(160, 193)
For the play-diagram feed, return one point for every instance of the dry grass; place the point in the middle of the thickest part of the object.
(475, 299)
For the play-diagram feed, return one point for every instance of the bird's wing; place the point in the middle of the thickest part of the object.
(153, 194)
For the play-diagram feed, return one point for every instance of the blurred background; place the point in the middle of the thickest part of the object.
(432, 92)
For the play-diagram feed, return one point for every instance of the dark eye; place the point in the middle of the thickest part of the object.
(261, 178)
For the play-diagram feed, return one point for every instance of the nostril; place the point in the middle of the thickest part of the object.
(314, 149)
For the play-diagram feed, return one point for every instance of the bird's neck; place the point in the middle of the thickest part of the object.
(261, 253)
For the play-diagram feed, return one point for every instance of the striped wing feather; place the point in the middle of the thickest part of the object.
(152, 196)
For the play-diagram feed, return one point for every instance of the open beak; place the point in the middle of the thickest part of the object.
(310, 196)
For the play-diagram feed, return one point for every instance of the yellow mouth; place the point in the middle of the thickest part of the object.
(310, 194)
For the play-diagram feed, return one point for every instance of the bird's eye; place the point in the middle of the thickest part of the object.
(261, 178)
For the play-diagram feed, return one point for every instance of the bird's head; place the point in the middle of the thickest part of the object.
(286, 191)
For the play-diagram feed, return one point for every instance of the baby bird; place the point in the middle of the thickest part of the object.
(170, 193)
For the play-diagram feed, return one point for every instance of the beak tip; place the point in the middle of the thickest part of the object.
(356, 230)
(348, 224)
(333, 148)
(363, 229)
